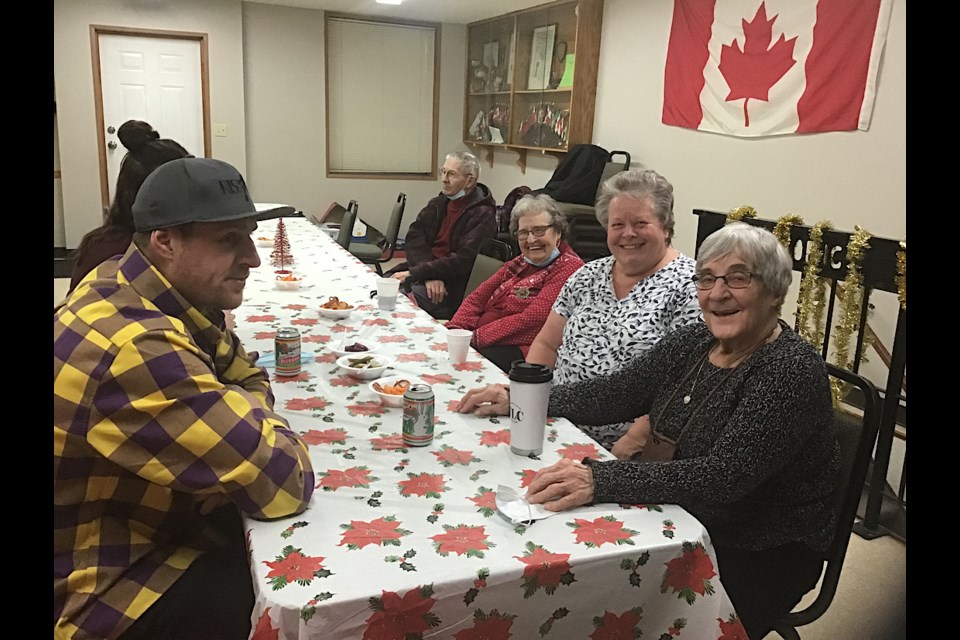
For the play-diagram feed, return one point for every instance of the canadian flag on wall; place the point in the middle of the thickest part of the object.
(771, 67)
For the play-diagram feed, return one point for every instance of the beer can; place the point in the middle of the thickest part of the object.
(287, 352)
(418, 416)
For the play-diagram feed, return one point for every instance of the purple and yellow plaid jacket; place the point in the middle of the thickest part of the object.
(156, 408)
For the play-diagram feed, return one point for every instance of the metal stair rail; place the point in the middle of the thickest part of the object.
(879, 272)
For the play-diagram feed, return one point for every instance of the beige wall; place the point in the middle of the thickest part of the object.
(73, 75)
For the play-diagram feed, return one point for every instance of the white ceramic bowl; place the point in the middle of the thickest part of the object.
(336, 314)
(365, 373)
(339, 347)
(289, 285)
(390, 399)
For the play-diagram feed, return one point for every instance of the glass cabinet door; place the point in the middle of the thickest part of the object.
(489, 81)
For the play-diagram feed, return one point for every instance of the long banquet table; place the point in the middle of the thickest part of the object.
(408, 543)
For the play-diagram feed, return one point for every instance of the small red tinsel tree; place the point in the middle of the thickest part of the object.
(281, 256)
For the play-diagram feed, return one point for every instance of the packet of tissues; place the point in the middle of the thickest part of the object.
(515, 508)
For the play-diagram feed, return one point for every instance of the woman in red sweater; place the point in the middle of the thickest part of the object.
(507, 311)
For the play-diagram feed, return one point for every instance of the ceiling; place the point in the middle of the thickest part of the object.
(449, 11)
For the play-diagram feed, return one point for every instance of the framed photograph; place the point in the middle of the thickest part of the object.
(491, 54)
(541, 56)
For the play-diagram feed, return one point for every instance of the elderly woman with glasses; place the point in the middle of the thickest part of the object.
(743, 433)
(507, 311)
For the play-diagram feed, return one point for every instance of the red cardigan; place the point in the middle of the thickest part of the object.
(512, 305)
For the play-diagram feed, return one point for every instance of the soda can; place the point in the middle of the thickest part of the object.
(287, 352)
(418, 416)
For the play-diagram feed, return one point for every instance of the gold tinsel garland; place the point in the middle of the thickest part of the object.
(851, 300)
(746, 211)
(811, 301)
(782, 230)
(901, 278)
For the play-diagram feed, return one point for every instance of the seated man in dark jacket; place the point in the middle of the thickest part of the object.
(441, 244)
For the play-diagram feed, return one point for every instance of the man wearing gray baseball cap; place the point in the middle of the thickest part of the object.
(164, 427)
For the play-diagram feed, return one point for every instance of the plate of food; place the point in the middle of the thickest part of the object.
(336, 308)
(390, 389)
(353, 346)
(365, 367)
(289, 281)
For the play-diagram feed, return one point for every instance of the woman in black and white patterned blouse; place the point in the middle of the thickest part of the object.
(615, 308)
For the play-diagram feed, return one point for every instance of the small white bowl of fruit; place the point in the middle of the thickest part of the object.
(390, 389)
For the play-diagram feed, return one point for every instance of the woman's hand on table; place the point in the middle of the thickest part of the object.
(491, 400)
(563, 485)
(633, 440)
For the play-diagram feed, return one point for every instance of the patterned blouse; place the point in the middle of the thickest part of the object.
(604, 334)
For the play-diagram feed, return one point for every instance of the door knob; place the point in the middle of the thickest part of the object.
(111, 145)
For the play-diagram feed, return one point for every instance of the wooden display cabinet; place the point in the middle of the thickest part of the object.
(532, 79)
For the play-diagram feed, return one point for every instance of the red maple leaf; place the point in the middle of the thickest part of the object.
(750, 73)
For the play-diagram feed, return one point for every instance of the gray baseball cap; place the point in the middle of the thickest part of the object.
(193, 190)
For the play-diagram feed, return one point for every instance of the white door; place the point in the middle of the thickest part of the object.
(152, 79)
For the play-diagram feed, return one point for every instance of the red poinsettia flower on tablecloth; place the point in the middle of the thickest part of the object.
(492, 626)
(423, 330)
(412, 357)
(320, 337)
(613, 627)
(544, 570)
(392, 339)
(732, 629)
(305, 404)
(494, 438)
(339, 328)
(366, 408)
(303, 376)
(382, 531)
(263, 318)
(579, 451)
(344, 381)
(265, 335)
(452, 406)
(472, 365)
(327, 436)
(388, 443)
(486, 501)
(689, 573)
(463, 540)
(309, 322)
(526, 477)
(400, 618)
(437, 378)
(438, 346)
(448, 456)
(422, 484)
(326, 358)
(294, 567)
(403, 314)
(376, 322)
(264, 629)
(605, 529)
(335, 479)
(295, 306)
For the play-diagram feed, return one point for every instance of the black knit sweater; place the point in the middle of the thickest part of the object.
(757, 464)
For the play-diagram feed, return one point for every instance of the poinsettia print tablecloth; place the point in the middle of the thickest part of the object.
(407, 543)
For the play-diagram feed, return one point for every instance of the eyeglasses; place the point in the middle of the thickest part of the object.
(451, 174)
(537, 232)
(734, 280)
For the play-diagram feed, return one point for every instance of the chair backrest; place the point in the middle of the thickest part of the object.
(346, 225)
(613, 167)
(490, 257)
(858, 436)
(396, 216)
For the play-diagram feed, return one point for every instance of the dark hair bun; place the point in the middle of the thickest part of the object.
(134, 134)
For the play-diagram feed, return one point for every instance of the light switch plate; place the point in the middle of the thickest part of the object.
(220, 130)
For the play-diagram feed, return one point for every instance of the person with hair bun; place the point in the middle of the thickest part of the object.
(146, 151)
